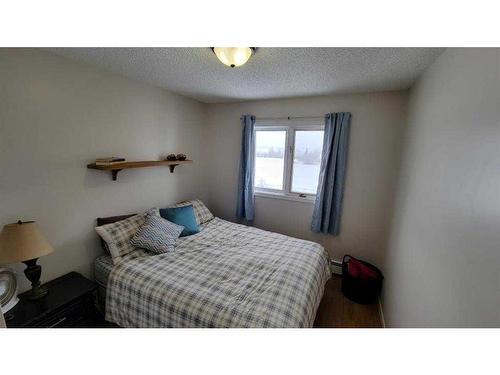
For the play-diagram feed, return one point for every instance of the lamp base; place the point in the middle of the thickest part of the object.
(33, 272)
(36, 293)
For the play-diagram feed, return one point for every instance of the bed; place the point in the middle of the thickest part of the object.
(227, 275)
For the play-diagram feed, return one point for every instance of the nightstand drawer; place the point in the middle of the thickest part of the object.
(76, 314)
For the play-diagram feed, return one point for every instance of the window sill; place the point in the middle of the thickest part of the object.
(309, 200)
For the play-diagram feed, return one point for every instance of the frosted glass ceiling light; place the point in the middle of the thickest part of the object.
(233, 56)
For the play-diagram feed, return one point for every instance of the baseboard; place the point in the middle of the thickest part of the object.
(381, 312)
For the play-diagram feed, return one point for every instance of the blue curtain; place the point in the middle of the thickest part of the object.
(245, 204)
(328, 204)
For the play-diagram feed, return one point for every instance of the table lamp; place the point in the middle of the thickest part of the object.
(23, 242)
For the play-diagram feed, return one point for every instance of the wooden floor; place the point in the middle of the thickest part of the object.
(336, 311)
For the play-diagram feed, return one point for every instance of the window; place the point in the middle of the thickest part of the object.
(306, 160)
(269, 159)
(287, 160)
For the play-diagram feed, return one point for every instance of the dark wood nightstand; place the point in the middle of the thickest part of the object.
(69, 304)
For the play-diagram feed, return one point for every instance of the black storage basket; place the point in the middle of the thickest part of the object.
(357, 289)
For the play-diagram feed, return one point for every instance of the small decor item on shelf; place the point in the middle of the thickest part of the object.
(171, 157)
(109, 161)
(181, 157)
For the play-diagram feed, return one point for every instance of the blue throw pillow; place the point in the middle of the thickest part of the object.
(182, 216)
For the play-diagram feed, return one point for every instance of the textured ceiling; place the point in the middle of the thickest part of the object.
(270, 73)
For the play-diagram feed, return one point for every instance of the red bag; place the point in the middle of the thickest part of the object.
(361, 281)
(356, 268)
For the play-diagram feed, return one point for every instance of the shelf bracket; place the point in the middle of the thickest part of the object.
(114, 173)
(172, 167)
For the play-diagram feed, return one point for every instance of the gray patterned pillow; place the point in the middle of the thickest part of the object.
(201, 212)
(157, 235)
(117, 235)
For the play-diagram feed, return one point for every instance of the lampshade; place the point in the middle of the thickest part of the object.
(22, 241)
(233, 56)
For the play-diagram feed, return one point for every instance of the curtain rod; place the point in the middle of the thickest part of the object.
(291, 118)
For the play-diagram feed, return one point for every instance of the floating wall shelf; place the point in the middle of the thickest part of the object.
(117, 167)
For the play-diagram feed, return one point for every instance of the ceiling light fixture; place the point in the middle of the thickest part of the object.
(233, 56)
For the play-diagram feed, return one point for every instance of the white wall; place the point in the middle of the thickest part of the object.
(378, 121)
(443, 263)
(55, 117)
(439, 247)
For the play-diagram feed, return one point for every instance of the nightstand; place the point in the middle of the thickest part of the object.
(70, 303)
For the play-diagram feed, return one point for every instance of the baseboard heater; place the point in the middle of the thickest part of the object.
(336, 266)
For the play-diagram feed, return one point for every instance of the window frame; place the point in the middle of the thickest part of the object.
(290, 128)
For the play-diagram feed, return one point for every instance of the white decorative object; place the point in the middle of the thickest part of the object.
(8, 289)
(2, 321)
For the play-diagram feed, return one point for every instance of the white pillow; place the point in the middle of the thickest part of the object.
(117, 235)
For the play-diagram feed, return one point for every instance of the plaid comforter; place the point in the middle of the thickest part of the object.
(228, 275)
